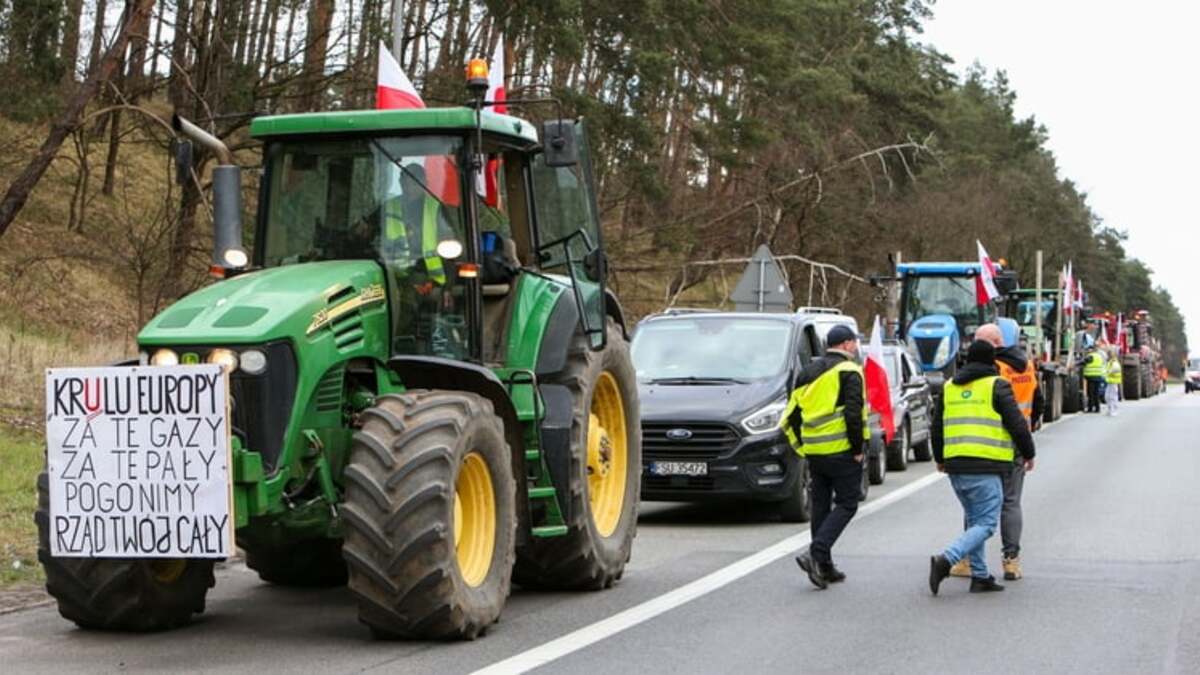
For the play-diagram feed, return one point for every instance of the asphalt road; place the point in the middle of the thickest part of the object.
(1111, 552)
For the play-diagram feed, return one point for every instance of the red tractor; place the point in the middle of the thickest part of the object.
(1140, 351)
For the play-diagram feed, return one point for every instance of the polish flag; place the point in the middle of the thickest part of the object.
(985, 283)
(394, 91)
(488, 183)
(1068, 291)
(1120, 334)
(879, 389)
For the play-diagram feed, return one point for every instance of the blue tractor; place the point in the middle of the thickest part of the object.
(939, 313)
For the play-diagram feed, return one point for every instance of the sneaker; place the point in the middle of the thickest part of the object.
(985, 585)
(939, 569)
(832, 574)
(962, 568)
(806, 563)
(1012, 568)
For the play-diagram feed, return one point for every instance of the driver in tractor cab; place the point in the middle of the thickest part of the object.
(415, 234)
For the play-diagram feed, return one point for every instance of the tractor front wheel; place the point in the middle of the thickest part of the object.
(430, 516)
(605, 473)
(129, 594)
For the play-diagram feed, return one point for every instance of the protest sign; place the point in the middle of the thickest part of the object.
(138, 460)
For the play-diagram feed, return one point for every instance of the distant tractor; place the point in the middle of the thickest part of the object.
(1053, 343)
(432, 390)
(1140, 352)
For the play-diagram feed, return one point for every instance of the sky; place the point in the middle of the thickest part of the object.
(1115, 85)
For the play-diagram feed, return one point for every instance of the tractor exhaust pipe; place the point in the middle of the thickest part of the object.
(227, 193)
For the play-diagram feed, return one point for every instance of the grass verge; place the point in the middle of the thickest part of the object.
(21, 456)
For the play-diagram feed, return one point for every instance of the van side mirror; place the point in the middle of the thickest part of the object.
(558, 143)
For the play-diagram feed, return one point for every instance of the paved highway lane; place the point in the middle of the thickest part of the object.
(1113, 518)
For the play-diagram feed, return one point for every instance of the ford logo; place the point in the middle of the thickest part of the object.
(679, 434)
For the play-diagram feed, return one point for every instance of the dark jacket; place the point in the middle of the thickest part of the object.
(1016, 359)
(850, 394)
(1004, 403)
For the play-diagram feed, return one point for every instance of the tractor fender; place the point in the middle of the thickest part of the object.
(562, 327)
(432, 372)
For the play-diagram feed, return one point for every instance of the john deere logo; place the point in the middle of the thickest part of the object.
(679, 434)
(966, 394)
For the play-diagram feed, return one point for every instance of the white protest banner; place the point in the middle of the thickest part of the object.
(139, 461)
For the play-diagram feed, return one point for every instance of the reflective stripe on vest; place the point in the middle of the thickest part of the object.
(395, 229)
(1094, 366)
(1114, 375)
(972, 427)
(823, 430)
(1024, 385)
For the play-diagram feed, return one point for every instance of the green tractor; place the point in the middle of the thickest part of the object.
(432, 394)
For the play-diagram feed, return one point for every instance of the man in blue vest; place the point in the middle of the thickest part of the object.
(978, 429)
(826, 423)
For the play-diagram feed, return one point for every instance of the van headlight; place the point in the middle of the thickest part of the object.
(766, 418)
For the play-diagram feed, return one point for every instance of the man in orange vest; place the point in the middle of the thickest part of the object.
(1021, 374)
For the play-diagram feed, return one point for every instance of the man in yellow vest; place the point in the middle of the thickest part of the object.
(826, 423)
(413, 224)
(1113, 379)
(978, 430)
(1021, 374)
(1094, 368)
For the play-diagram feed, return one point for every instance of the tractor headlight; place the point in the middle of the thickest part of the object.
(254, 362)
(765, 419)
(164, 357)
(226, 358)
(942, 356)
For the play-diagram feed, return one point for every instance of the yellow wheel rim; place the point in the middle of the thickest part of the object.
(607, 455)
(474, 519)
(167, 570)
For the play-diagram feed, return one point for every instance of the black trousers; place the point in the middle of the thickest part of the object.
(836, 486)
(1093, 393)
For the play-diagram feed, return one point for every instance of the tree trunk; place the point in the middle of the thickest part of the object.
(114, 148)
(97, 34)
(152, 75)
(176, 84)
(316, 48)
(70, 45)
(136, 22)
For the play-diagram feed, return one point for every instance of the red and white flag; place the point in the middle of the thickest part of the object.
(1068, 291)
(394, 91)
(488, 183)
(1120, 333)
(879, 388)
(985, 283)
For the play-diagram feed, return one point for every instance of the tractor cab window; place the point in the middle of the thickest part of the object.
(568, 230)
(954, 296)
(396, 200)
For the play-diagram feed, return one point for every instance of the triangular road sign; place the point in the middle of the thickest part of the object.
(762, 287)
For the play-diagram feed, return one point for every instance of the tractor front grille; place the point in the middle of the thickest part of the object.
(707, 440)
(262, 403)
(927, 348)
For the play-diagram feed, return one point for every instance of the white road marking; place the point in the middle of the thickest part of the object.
(591, 634)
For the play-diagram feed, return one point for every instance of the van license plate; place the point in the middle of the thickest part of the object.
(678, 468)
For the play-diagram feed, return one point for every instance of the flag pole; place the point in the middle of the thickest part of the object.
(398, 29)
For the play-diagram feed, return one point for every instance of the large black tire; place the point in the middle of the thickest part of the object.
(316, 563)
(876, 461)
(129, 594)
(584, 559)
(897, 451)
(1072, 394)
(401, 492)
(1132, 386)
(797, 508)
(923, 451)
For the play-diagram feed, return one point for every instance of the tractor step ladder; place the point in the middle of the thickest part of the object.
(543, 497)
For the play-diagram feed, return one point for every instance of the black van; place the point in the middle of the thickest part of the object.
(713, 387)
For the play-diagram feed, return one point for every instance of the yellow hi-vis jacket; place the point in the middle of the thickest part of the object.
(397, 230)
(1114, 375)
(1093, 366)
(823, 431)
(972, 426)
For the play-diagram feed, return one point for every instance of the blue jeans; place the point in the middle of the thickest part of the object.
(981, 496)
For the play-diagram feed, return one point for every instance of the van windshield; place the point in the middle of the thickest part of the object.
(701, 349)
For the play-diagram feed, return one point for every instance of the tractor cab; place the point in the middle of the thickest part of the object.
(939, 312)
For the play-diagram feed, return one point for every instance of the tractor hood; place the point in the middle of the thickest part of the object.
(936, 338)
(270, 304)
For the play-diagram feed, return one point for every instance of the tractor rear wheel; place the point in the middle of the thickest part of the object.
(130, 594)
(430, 514)
(315, 563)
(605, 473)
